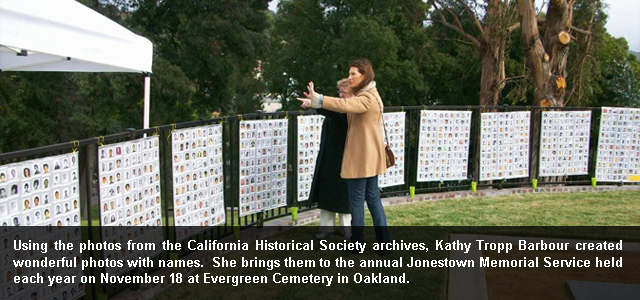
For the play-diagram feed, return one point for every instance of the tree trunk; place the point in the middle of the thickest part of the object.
(492, 80)
(556, 45)
(548, 60)
(493, 74)
(489, 40)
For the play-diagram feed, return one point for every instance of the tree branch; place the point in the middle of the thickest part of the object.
(457, 28)
(515, 78)
(578, 85)
(475, 19)
(513, 27)
(457, 40)
(585, 32)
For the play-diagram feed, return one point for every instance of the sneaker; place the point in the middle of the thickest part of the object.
(322, 235)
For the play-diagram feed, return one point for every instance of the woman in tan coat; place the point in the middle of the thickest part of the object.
(364, 157)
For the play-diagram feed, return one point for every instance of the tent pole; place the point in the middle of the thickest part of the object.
(147, 96)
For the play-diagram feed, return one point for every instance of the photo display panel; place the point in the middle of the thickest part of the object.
(564, 143)
(41, 192)
(41, 196)
(129, 174)
(198, 197)
(504, 145)
(394, 122)
(309, 134)
(263, 165)
(618, 145)
(444, 145)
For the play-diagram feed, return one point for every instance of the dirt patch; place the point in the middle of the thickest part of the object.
(551, 283)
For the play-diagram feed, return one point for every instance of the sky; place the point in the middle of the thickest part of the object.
(624, 19)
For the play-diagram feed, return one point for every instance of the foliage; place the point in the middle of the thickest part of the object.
(225, 56)
(216, 45)
(619, 74)
(609, 73)
(315, 41)
(205, 60)
(34, 107)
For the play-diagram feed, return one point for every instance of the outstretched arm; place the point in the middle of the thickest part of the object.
(358, 104)
(355, 105)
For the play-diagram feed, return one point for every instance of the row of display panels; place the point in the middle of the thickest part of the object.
(45, 191)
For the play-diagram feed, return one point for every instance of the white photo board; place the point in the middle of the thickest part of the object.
(443, 145)
(564, 143)
(41, 192)
(198, 179)
(394, 123)
(618, 157)
(504, 146)
(130, 193)
(40, 202)
(263, 165)
(309, 133)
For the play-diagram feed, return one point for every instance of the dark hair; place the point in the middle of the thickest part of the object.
(364, 67)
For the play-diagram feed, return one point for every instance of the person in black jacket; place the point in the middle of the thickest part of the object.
(328, 188)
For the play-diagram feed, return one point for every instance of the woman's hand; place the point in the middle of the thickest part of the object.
(306, 103)
(313, 99)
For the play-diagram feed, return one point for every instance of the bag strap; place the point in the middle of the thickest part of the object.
(379, 101)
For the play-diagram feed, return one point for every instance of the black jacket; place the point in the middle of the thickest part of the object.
(328, 188)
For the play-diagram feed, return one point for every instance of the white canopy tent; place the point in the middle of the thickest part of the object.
(66, 36)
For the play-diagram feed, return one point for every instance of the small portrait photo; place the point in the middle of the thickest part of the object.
(36, 201)
(13, 174)
(26, 172)
(36, 169)
(26, 188)
(26, 204)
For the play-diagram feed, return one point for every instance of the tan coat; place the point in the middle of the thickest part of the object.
(364, 154)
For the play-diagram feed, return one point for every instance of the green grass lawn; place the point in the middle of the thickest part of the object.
(545, 209)
(557, 209)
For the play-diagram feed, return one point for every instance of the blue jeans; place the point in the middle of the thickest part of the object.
(361, 190)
